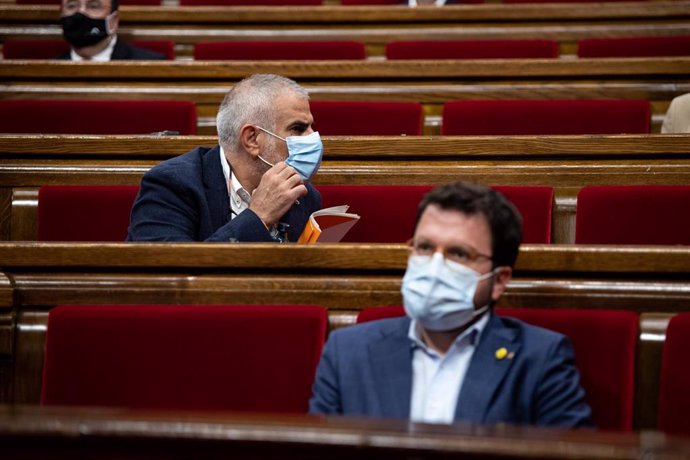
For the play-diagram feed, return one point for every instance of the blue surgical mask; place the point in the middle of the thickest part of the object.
(304, 153)
(439, 294)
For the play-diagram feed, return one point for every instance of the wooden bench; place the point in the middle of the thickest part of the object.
(658, 80)
(46, 433)
(652, 281)
(374, 25)
(565, 162)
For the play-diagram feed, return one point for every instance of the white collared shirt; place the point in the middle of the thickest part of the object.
(103, 56)
(240, 199)
(436, 2)
(436, 379)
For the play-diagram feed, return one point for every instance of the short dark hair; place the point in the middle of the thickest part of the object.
(114, 5)
(504, 219)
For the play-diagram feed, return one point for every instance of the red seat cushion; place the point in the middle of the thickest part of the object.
(604, 341)
(347, 118)
(57, 2)
(53, 116)
(84, 213)
(514, 117)
(279, 50)
(388, 213)
(183, 357)
(50, 49)
(472, 49)
(674, 397)
(634, 47)
(633, 214)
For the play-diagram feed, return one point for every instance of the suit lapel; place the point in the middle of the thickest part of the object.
(486, 371)
(391, 361)
(216, 189)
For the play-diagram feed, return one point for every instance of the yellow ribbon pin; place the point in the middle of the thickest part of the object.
(501, 353)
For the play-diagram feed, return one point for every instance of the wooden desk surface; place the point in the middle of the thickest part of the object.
(366, 15)
(46, 433)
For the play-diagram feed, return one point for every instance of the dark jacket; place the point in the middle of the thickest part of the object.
(124, 51)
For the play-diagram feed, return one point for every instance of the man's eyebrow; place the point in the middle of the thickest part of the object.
(299, 125)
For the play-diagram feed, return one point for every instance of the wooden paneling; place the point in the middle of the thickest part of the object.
(565, 162)
(34, 433)
(375, 25)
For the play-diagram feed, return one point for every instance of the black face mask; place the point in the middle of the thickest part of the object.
(81, 30)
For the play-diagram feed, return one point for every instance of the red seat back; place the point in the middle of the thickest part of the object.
(183, 357)
(398, 2)
(57, 2)
(250, 2)
(50, 49)
(633, 214)
(280, 50)
(604, 341)
(351, 118)
(514, 117)
(674, 397)
(84, 213)
(634, 47)
(53, 116)
(472, 49)
(388, 212)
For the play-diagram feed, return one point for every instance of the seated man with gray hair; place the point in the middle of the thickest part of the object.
(252, 187)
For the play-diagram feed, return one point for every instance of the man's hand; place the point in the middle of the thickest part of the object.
(279, 188)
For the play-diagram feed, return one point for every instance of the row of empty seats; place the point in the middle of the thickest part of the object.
(332, 118)
(187, 357)
(421, 49)
(605, 214)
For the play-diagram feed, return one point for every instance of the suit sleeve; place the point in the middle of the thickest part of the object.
(560, 398)
(326, 397)
(167, 210)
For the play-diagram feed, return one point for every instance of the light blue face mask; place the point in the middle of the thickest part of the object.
(304, 153)
(439, 294)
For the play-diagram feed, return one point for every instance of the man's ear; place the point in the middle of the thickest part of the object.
(114, 21)
(249, 141)
(501, 279)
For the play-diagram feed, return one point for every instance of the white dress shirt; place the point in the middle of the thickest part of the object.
(436, 379)
(103, 56)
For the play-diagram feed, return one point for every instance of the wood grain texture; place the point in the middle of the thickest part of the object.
(86, 433)
(365, 15)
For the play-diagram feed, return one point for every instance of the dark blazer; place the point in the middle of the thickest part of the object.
(124, 51)
(366, 370)
(186, 199)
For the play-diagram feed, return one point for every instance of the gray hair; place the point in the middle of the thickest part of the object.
(251, 101)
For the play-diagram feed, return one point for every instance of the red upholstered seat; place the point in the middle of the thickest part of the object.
(388, 212)
(604, 342)
(514, 117)
(398, 2)
(472, 49)
(53, 116)
(633, 214)
(347, 118)
(184, 357)
(674, 397)
(250, 2)
(57, 2)
(634, 47)
(561, 1)
(279, 50)
(49, 49)
(84, 213)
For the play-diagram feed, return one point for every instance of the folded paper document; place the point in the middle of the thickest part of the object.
(328, 225)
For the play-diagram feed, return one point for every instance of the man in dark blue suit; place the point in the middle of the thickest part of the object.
(90, 27)
(252, 187)
(451, 358)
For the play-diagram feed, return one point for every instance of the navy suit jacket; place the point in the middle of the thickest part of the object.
(366, 370)
(124, 51)
(186, 199)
